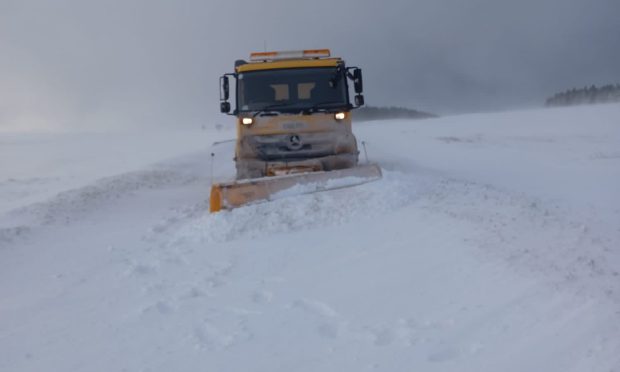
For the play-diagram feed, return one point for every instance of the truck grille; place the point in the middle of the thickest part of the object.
(291, 146)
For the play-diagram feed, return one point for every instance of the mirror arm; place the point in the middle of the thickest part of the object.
(349, 74)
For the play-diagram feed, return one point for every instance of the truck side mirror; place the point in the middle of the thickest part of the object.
(225, 107)
(357, 81)
(224, 88)
(359, 100)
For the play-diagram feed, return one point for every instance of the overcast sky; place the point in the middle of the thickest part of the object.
(140, 63)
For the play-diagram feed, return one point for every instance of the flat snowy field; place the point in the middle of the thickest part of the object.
(491, 244)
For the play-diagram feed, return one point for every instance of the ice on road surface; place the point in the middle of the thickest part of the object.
(491, 244)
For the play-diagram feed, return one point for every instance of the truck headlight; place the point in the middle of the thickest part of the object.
(247, 121)
(340, 116)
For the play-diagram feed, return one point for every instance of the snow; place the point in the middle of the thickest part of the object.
(491, 243)
(298, 189)
(36, 166)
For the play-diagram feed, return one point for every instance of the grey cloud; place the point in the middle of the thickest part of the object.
(117, 64)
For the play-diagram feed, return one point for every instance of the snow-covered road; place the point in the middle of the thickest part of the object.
(491, 244)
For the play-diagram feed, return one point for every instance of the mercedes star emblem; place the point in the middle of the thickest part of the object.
(294, 142)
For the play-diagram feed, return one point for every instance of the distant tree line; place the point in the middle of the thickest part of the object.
(593, 94)
(368, 113)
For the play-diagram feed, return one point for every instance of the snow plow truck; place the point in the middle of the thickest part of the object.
(294, 135)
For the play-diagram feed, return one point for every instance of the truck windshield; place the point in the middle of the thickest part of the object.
(292, 90)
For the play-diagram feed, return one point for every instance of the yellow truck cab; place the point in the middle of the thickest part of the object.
(293, 113)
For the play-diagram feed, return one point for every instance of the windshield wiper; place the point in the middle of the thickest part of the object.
(317, 106)
(314, 108)
(270, 107)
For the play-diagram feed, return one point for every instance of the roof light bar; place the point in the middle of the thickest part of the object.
(290, 54)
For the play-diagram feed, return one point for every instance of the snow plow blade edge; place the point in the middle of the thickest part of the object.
(238, 193)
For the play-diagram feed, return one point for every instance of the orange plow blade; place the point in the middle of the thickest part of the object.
(238, 193)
